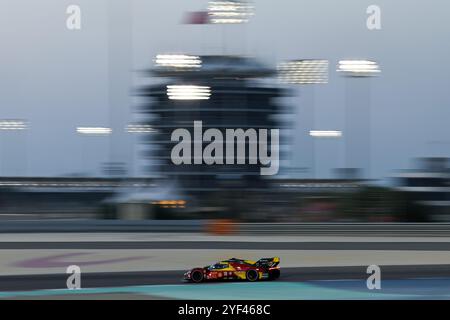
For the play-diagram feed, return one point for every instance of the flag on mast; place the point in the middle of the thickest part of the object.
(222, 12)
(198, 17)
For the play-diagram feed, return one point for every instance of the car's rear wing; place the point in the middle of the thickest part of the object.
(268, 262)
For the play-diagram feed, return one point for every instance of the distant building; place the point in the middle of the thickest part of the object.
(228, 93)
(428, 187)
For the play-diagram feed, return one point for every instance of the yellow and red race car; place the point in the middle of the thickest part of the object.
(237, 269)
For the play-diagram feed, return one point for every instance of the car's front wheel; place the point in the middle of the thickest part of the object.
(197, 276)
(252, 275)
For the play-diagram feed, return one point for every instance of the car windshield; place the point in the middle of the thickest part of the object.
(217, 266)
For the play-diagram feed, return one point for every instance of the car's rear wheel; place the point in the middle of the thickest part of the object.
(197, 276)
(252, 275)
(274, 274)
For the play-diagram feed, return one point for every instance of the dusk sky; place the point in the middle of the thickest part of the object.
(57, 79)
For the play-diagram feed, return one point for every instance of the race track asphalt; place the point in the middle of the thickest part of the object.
(299, 275)
(124, 279)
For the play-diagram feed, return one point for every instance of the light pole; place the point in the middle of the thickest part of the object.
(137, 129)
(14, 127)
(306, 72)
(229, 12)
(357, 113)
(89, 132)
(120, 48)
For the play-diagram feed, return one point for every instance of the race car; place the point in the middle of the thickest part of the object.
(236, 269)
